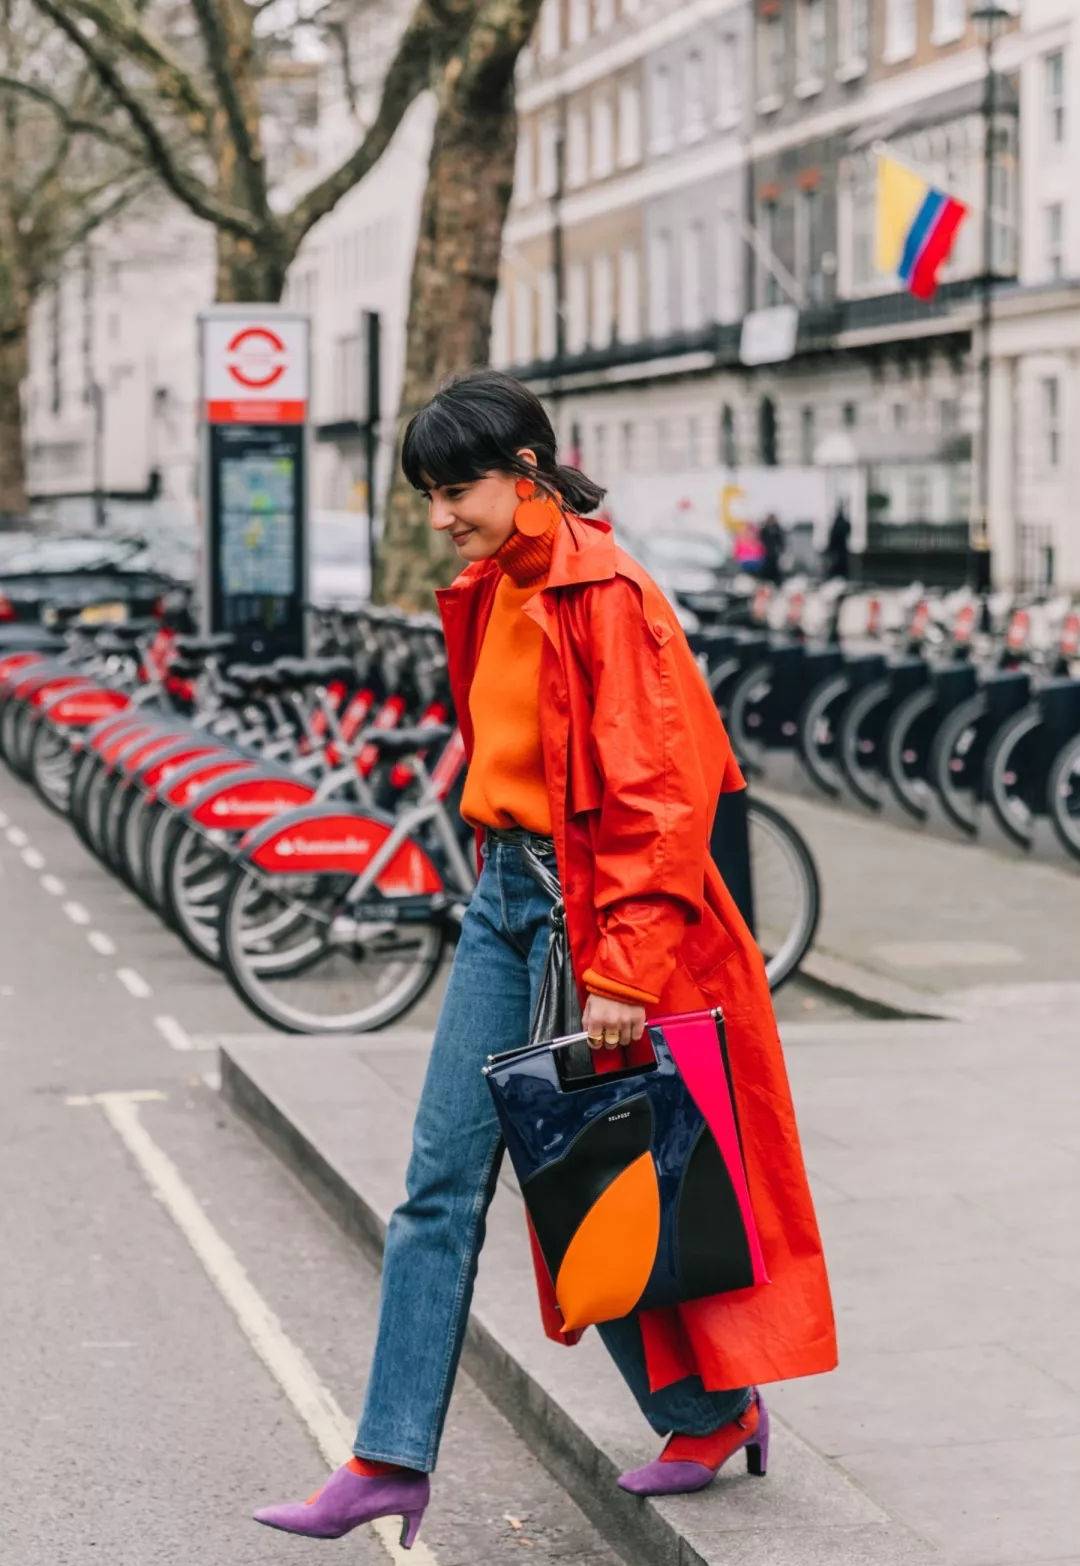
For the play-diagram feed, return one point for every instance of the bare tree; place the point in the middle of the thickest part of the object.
(456, 266)
(66, 166)
(190, 76)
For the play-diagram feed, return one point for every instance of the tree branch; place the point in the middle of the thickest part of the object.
(123, 28)
(74, 124)
(433, 32)
(225, 58)
(185, 185)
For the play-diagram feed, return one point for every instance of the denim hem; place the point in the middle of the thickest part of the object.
(690, 1427)
(393, 1457)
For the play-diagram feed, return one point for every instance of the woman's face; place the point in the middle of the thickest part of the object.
(477, 514)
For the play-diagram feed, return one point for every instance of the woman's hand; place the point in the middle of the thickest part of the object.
(611, 1022)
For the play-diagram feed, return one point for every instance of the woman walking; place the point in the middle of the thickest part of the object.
(593, 746)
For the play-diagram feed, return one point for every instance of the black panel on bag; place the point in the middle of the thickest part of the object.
(713, 1252)
(561, 1194)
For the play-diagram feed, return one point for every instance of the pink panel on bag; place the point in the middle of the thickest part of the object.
(695, 1050)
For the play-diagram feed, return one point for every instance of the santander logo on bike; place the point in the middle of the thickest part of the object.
(250, 807)
(287, 846)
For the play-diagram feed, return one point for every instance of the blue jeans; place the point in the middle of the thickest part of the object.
(434, 1238)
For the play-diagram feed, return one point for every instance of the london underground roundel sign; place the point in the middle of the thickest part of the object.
(255, 371)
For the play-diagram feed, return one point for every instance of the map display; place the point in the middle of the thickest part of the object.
(258, 524)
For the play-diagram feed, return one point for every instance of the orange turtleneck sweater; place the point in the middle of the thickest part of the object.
(505, 785)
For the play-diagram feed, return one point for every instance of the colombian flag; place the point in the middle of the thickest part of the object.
(916, 226)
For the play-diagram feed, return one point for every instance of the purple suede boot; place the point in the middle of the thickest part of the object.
(678, 1478)
(348, 1499)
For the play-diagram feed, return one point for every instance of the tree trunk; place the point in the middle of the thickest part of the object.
(455, 270)
(13, 368)
(248, 273)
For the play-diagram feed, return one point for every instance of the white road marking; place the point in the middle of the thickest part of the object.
(134, 983)
(16, 836)
(76, 913)
(316, 1406)
(101, 943)
(3, 820)
(175, 1036)
(53, 885)
(33, 857)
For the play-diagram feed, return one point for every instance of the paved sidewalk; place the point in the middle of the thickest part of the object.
(944, 1162)
(928, 925)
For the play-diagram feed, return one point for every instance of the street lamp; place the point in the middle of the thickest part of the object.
(989, 17)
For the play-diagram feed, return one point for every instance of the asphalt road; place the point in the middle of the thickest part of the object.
(184, 1333)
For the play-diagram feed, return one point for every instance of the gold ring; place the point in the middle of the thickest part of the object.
(595, 1038)
(607, 1039)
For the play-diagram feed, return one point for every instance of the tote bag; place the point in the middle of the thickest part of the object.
(633, 1179)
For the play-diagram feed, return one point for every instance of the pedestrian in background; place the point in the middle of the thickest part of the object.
(594, 746)
(835, 556)
(772, 542)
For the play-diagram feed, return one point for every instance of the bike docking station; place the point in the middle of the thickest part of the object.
(255, 373)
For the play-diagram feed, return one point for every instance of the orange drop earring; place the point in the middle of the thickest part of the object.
(537, 512)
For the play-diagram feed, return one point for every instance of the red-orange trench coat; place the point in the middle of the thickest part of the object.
(636, 758)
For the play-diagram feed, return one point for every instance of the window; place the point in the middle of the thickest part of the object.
(663, 444)
(629, 296)
(576, 148)
(693, 442)
(767, 432)
(729, 451)
(551, 28)
(729, 90)
(694, 308)
(728, 258)
(1051, 398)
(807, 438)
(853, 26)
(579, 21)
(603, 302)
(626, 446)
(577, 307)
(807, 244)
(950, 21)
(849, 415)
(861, 209)
(948, 415)
(523, 166)
(603, 15)
(603, 132)
(770, 287)
(523, 322)
(660, 285)
(1054, 97)
(1055, 235)
(662, 127)
(546, 305)
(899, 416)
(901, 24)
(918, 497)
(770, 41)
(598, 459)
(810, 42)
(547, 174)
(693, 97)
(629, 123)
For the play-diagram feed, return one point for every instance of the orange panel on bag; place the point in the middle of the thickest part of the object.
(609, 1260)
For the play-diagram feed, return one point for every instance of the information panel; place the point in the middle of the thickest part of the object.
(256, 574)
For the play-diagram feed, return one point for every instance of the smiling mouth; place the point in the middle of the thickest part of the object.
(457, 537)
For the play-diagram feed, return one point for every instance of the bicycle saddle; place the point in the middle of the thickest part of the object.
(203, 646)
(405, 742)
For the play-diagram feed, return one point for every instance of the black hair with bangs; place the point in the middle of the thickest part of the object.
(476, 423)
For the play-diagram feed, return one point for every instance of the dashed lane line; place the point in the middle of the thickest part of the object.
(3, 820)
(33, 857)
(290, 1367)
(101, 943)
(134, 983)
(76, 913)
(174, 1033)
(16, 836)
(53, 885)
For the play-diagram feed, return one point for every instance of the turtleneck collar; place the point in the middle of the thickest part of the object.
(527, 560)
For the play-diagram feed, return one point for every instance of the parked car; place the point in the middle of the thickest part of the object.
(108, 579)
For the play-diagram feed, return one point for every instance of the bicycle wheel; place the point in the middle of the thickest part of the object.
(955, 757)
(815, 742)
(746, 709)
(297, 955)
(1063, 795)
(787, 891)
(906, 745)
(52, 766)
(1011, 763)
(859, 742)
(196, 874)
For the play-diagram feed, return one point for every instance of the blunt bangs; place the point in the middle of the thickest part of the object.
(447, 447)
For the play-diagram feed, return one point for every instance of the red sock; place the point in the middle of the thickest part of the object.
(371, 1470)
(714, 1449)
